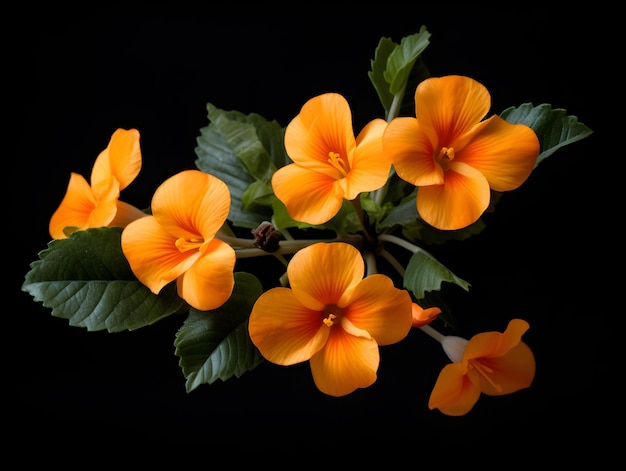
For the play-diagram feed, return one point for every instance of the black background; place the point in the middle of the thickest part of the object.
(155, 68)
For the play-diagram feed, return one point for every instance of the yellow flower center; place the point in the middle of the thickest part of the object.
(336, 161)
(330, 314)
(483, 371)
(445, 156)
(184, 245)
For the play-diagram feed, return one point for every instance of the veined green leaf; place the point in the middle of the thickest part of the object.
(87, 280)
(241, 150)
(403, 57)
(424, 273)
(258, 193)
(401, 215)
(215, 344)
(377, 74)
(396, 65)
(554, 128)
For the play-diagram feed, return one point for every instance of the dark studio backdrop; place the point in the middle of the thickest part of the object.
(155, 69)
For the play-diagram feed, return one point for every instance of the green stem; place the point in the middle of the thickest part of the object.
(370, 263)
(393, 262)
(245, 248)
(394, 109)
(433, 333)
(235, 242)
(402, 243)
(358, 209)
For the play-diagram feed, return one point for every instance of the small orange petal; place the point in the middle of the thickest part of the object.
(505, 374)
(104, 212)
(153, 255)
(191, 204)
(126, 214)
(75, 208)
(380, 308)
(411, 152)
(370, 166)
(285, 331)
(421, 316)
(325, 273)
(323, 125)
(453, 394)
(451, 105)
(456, 204)
(119, 162)
(209, 282)
(125, 156)
(491, 344)
(310, 197)
(345, 364)
(504, 153)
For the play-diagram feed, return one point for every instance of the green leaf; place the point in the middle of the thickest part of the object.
(395, 65)
(424, 273)
(87, 280)
(402, 59)
(403, 214)
(257, 193)
(215, 344)
(241, 150)
(554, 128)
(377, 74)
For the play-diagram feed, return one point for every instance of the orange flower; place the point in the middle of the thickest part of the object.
(178, 241)
(452, 156)
(85, 206)
(330, 165)
(331, 316)
(491, 363)
(421, 316)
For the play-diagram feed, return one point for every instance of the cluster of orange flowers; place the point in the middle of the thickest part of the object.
(331, 312)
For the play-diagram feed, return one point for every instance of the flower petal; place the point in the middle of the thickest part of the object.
(506, 363)
(191, 204)
(325, 273)
(310, 197)
(504, 153)
(370, 166)
(506, 374)
(120, 161)
(381, 309)
(285, 331)
(209, 282)
(493, 344)
(458, 203)
(345, 363)
(125, 156)
(153, 255)
(126, 214)
(324, 125)
(75, 208)
(453, 393)
(421, 316)
(450, 106)
(411, 152)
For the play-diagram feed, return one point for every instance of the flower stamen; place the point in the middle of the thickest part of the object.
(446, 153)
(336, 161)
(185, 245)
(484, 371)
